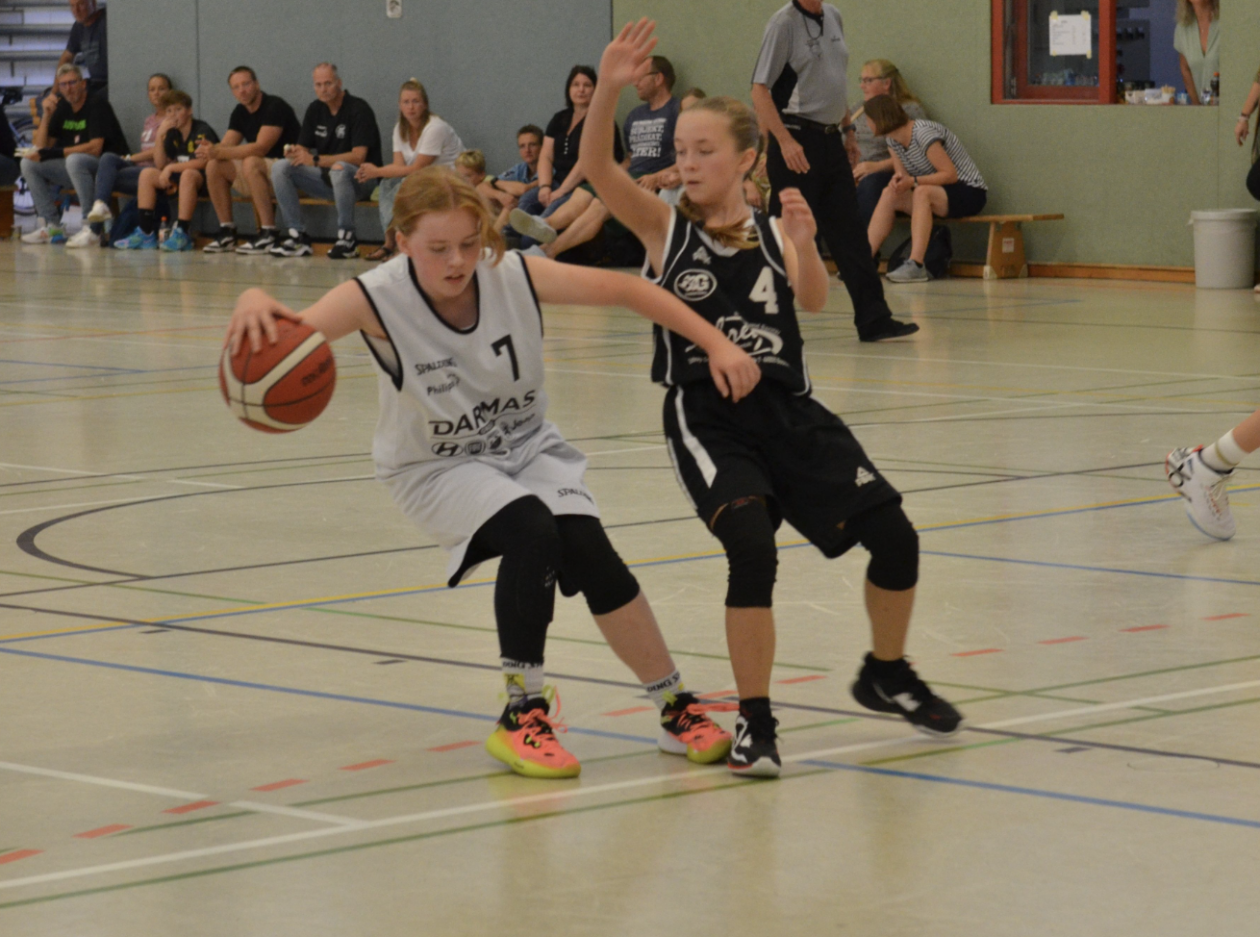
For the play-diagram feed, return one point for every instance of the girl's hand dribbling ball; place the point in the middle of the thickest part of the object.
(276, 374)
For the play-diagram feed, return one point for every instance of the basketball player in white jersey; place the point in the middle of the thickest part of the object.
(463, 443)
(777, 454)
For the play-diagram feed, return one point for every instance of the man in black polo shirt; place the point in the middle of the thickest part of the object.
(260, 127)
(339, 133)
(800, 92)
(77, 128)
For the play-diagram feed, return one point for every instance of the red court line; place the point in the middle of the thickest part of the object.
(714, 695)
(20, 854)
(279, 785)
(103, 831)
(189, 808)
(986, 650)
(1077, 637)
(630, 711)
(453, 746)
(816, 676)
(1223, 617)
(367, 764)
(1144, 628)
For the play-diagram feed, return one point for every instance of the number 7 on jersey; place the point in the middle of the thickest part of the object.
(506, 342)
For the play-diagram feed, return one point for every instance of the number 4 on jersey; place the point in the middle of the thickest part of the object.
(506, 342)
(763, 292)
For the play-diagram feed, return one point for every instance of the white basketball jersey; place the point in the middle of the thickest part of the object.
(451, 394)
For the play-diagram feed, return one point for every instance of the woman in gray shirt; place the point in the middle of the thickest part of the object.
(873, 173)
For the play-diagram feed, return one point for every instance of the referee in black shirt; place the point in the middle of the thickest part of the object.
(800, 92)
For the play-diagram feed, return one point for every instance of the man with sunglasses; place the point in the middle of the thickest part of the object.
(800, 92)
(77, 129)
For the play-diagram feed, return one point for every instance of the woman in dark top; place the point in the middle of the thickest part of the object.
(557, 175)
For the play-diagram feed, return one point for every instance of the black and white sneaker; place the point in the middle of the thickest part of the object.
(754, 753)
(263, 241)
(297, 244)
(223, 243)
(901, 691)
(347, 246)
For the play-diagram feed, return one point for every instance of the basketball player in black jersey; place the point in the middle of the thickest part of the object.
(778, 454)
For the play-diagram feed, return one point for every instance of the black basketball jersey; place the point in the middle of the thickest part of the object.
(744, 293)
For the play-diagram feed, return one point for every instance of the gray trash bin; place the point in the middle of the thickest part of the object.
(1224, 248)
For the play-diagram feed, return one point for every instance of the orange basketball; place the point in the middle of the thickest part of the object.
(284, 386)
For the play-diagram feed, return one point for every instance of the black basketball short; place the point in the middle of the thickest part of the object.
(791, 450)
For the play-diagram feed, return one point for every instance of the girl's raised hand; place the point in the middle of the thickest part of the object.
(734, 371)
(627, 57)
(255, 316)
(795, 218)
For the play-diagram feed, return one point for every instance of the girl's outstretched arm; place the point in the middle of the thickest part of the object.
(734, 372)
(626, 58)
(339, 312)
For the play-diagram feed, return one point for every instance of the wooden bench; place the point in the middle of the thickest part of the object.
(1006, 259)
(6, 210)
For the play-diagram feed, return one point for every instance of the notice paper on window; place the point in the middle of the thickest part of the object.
(1070, 35)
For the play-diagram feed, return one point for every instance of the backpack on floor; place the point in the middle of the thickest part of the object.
(940, 252)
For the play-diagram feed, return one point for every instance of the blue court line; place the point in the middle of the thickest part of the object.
(1092, 569)
(294, 691)
(67, 634)
(120, 372)
(57, 364)
(1037, 792)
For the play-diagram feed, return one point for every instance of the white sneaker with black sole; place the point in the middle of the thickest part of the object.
(347, 246)
(1205, 491)
(296, 244)
(224, 242)
(755, 752)
(100, 213)
(263, 242)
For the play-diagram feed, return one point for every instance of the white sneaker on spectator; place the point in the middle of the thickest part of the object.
(532, 226)
(85, 238)
(100, 212)
(40, 235)
(909, 272)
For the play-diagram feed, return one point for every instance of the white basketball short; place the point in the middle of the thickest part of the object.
(450, 499)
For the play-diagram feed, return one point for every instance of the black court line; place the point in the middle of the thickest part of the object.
(800, 707)
(26, 540)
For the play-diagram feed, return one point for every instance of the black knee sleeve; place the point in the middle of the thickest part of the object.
(524, 534)
(590, 565)
(747, 534)
(893, 543)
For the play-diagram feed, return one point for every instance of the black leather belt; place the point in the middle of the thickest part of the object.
(793, 122)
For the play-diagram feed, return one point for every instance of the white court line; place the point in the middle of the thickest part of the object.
(1020, 364)
(81, 504)
(185, 481)
(559, 795)
(186, 796)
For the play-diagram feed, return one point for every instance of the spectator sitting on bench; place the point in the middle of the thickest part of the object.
(260, 127)
(9, 168)
(875, 169)
(176, 169)
(932, 176)
(78, 127)
(505, 190)
(649, 134)
(471, 167)
(122, 173)
(339, 134)
(86, 45)
(421, 139)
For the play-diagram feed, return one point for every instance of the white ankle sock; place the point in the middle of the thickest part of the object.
(524, 681)
(1224, 454)
(663, 692)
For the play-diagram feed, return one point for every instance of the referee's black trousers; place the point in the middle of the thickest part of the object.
(829, 189)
